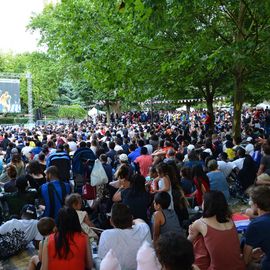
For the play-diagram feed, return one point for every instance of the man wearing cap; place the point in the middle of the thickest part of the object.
(123, 158)
(16, 234)
(190, 148)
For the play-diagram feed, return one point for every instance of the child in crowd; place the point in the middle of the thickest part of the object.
(164, 219)
(152, 175)
(229, 150)
(46, 226)
(75, 201)
(163, 182)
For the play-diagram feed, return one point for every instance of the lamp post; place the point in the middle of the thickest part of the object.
(30, 97)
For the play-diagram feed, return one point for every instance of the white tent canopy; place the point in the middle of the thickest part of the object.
(184, 108)
(94, 112)
(264, 105)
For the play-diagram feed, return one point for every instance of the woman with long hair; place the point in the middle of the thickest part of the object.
(201, 182)
(217, 235)
(69, 247)
(136, 197)
(169, 182)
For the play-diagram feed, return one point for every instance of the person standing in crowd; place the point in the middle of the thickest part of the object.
(144, 162)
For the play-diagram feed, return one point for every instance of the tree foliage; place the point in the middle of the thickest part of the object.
(71, 112)
(134, 50)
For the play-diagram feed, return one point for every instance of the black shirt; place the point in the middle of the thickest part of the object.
(137, 202)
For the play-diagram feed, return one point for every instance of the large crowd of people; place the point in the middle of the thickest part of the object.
(147, 191)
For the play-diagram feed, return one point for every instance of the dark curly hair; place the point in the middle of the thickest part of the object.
(174, 252)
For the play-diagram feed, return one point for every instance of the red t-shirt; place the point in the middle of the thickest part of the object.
(145, 162)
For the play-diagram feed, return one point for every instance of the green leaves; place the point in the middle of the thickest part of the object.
(71, 112)
(133, 50)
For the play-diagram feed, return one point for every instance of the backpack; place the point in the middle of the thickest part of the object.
(51, 191)
(12, 243)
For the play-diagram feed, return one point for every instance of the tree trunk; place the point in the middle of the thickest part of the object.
(108, 111)
(209, 92)
(239, 75)
(210, 109)
(238, 102)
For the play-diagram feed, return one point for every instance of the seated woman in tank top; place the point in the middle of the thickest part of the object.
(214, 236)
(164, 219)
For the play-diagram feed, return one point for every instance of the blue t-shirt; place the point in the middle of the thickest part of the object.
(258, 235)
(57, 203)
(133, 155)
(218, 182)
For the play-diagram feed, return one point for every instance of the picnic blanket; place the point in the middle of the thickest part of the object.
(241, 221)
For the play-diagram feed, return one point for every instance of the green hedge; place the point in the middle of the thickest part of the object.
(12, 120)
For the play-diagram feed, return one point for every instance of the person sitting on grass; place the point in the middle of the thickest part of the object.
(164, 219)
(257, 238)
(175, 252)
(46, 226)
(16, 234)
(125, 238)
(74, 201)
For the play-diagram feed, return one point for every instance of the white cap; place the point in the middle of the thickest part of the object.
(190, 147)
(110, 262)
(249, 139)
(123, 157)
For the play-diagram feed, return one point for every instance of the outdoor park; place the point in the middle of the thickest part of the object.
(135, 134)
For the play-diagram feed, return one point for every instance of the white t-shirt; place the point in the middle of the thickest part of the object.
(125, 243)
(118, 148)
(26, 151)
(149, 148)
(29, 227)
(225, 167)
(72, 146)
(238, 163)
(249, 149)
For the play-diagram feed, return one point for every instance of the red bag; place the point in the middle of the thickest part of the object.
(89, 192)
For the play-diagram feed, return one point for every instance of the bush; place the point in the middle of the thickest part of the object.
(71, 111)
(13, 120)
